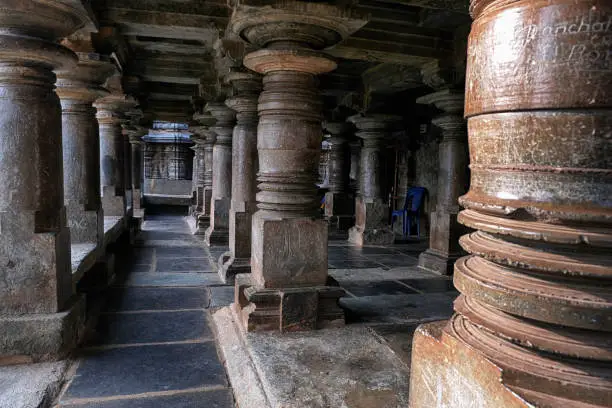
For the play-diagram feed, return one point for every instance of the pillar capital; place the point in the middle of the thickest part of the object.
(246, 86)
(224, 125)
(83, 84)
(338, 132)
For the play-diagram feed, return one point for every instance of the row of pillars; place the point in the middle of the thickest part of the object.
(69, 156)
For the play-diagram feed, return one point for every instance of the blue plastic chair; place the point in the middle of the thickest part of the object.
(411, 211)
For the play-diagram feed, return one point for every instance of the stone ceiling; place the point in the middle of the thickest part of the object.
(169, 49)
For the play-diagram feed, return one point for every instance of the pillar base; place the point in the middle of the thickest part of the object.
(287, 309)
(380, 236)
(447, 371)
(216, 236)
(432, 261)
(230, 266)
(31, 338)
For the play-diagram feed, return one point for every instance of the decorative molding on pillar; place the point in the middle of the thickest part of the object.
(78, 88)
(218, 231)
(287, 288)
(246, 88)
(445, 231)
(533, 323)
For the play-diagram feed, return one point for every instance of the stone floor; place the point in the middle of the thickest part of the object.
(154, 345)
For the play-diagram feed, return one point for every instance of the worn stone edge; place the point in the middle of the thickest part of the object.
(242, 373)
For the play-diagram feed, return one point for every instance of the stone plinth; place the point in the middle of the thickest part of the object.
(288, 286)
(78, 88)
(39, 314)
(111, 115)
(371, 207)
(339, 202)
(535, 313)
(218, 231)
(245, 164)
(445, 231)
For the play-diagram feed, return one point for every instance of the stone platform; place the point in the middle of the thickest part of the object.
(346, 367)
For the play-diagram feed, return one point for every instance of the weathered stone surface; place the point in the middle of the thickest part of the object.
(532, 324)
(31, 385)
(328, 368)
(204, 144)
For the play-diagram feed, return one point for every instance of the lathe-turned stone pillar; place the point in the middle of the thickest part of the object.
(355, 148)
(287, 289)
(78, 87)
(533, 324)
(206, 142)
(339, 203)
(371, 207)
(111, 115)
(218, 231)
(40, 317)
(135, 138)
(245, 164)
(445, 231)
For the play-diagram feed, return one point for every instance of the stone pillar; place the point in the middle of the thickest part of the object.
(287, 289)
(355, 148)
(78, 88)
(111, 115)
(533, 324)
(339, 203)
(218, 231)
(40, 317)
(445, 231)
(371, 206)
(245, 164)
(135, 138)
(204, 171)
(204, 143)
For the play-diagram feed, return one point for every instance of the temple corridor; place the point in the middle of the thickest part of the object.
(154, 344)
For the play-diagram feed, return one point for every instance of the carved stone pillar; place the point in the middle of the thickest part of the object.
(533, 324)
(218, 231)
(206, 144)
(339, 203)
(111, 115)
(287, 288)
(78, 88)
(135, 137)
(39, 316)
(371, 207)
(445, 231)
(245, 165)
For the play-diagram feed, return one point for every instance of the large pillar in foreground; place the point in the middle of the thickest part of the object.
(371, 207)
(78, 88)
(287, 288)
(39, 316)
(111, 115)
(533, 324)
(245, 164)
(339, 203)
(218, 231)
(445, 231)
